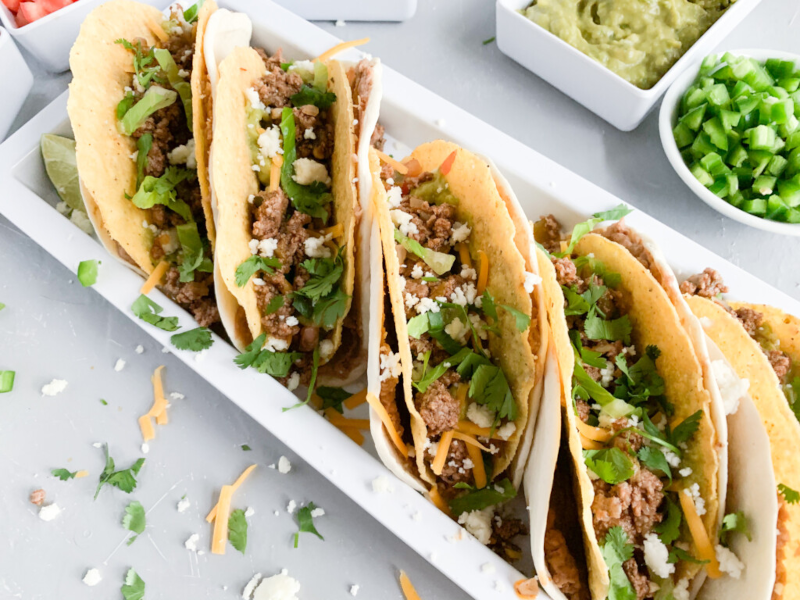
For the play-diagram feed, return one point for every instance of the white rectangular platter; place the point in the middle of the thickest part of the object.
(352, 10)
(411, 115)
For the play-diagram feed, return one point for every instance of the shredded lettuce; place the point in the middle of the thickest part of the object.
(192, 252)
(178, 83)
(155, 98)
(440, 262)
(161, 190)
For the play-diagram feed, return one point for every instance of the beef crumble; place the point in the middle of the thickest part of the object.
(561, 564)
(707, 284)
(438, 408)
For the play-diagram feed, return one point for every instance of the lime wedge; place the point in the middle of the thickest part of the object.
(59, 161)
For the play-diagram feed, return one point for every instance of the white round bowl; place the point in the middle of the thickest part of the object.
(668, 118)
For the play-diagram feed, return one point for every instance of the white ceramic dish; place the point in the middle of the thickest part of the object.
(18, 81)
(668, 118)
(352, 10)
(50, 38)
(587, 81)
(409, 112)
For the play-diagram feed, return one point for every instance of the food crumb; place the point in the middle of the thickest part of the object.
(488, 568)
(191, 543)
(318, 512)
(139, 349)
(291, 506)
(284, 466)
(440, 123)
(183, 504)
(120, 364)
(382, 484)
(248, 590)
(49, 512)
(37, 497)
(250, 511)
(92, 577)
(417, 516)
(54, 387)
(341, 23)
(354, 589)
(145, 448)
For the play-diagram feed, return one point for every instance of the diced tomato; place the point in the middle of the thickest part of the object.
(12, 5)
(53, 5)
(20, 20)
(31, 11)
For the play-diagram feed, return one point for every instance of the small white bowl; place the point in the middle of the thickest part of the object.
(587, 81)
(17, 82)
(668, 118)
(50, 38)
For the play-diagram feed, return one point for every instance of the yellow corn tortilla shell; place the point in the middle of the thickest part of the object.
(234, 181)
(202, 111)
(480, 205)
(100, 72)
(655, 322)
(749, 361)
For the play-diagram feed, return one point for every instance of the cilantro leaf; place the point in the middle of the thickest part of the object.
(490, 388)
(332, 397)
(309, 95)
(311, 384)
(429, 376)
(325, 273)
(437, 332)
(492, 494)
(655, 460)
(330, 309)
(598, 267)
(253, 265)
(192, 252)
(642, 379)
(734, 523)
(487, 305)
(237, 530)
(149, 311)
(611, 465)
(133, 589)
(305, 521)
(308, 199)
(597, 328)
(63, 474)
(275, 304)
(677, 554)
(195, 339)
(246, 448)
(669, 529)
(276, 364)
(124, 480)
(87, 272)
(134, 520)
(467, 366)
(523, 321)
(162, 190)
(576, 303)
(616, 549)
(253, 349)
(791, 496)
(594, 390)
(687, 428)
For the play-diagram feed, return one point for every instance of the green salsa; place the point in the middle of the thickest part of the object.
(639, 40)
(436, 191)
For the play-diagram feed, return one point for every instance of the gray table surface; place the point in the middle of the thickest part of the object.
(53, 328)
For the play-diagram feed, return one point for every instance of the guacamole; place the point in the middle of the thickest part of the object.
(639, 40)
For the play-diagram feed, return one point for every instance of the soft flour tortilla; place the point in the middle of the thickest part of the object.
(234, 180)
(749, 361)
(101, 70)
(481, 206)
(655, 322)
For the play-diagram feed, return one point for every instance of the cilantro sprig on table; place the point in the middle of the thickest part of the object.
(63, 474)
(150, 312)
(305, 522)
(134, 520)
(124, 480)
(133, 588)
(237, 530)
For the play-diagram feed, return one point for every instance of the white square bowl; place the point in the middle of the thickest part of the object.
(17, 78)
(587, 81)
(50, 38)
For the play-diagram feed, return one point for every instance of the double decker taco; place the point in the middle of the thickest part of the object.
(136, 109)
(456, 364)
(292, 250)
(762, 345)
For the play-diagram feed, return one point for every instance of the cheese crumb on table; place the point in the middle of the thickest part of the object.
(183, 504)
(191, 543)
(139, 349)
(284, 466)
(54, 387)
(145, 448)
(277, 587)
(247, 592)
(119, 365)
(49, 512)
(382, 484)
(249, 512)
(92, 577)
(354, 589)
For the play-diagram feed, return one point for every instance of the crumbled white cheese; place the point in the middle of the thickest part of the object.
(250, 511)
(403, 221)
(139, 349)
(478, 523)
(92, 577)
(119, 365)
(417, 516)
(54, 387)
(427, 304)
(184, 154)
(276, 344)
(307, 171)
(468, 273)
(176, 396)
(673, 459)
(440, 123)
(248, 590)
(326, 349)
(464, 294)
(254, 99)
(417, 272)
(478, 325)
(699, 503)
(355, 587)
(488, 568)
(457, 330)
(183, 504)
(467, 464)
(390, 366)
(49, 512)
(461, 232)
(480, 415)
(284, 466)
(506, 431)
(291, 506)
(293, 382)
(731, 388)
(277, 587)
(656, 556)
(531, 281)
(309, 134)
(191, 543)
(394, 196)
(292, 321)
(411, 299)
(341, 23)
(315, 246)
(265, 248)
(728, 562)
(318, 512)
(681, 591)
(685, 472)
(382, 485)
(269, 142)
(145, 448)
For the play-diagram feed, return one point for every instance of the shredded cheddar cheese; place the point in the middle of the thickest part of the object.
(157, 30)
(588, 444)
(81, 474)
(395, 164)
(334, 230)
(275, 172)
(469, 440)
(341, 421)
(155, 277)
(463, 254)
(483, 274)
(341, 48)
(478, 470)
(239, 481)
(593, 433)
(376, 405)
(472, 429)
(408, 590)
(356, 400)
(441, 452)
(158, 410)
(220, 537)
(705, 549)
(353, 434)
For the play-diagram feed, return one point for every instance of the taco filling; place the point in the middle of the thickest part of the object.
(461, 395)
(645, 499)
(709, 285)
(156, 112)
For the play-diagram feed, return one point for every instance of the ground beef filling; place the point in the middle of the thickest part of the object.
(709, 284)
(437, 406)
(632, 505)
(561, 564)
(504, 531)
(361, 79)
(620, 233)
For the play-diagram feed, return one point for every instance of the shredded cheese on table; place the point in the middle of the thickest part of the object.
(408, 589)
(81, 474)
(239, 481)
(376, 405)
(705, 550)
(158, 410)
(155, 277)
(340, 48)
(220, 537)
(356, 399)
(353, 434)
(341, 421)
(441, 453)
